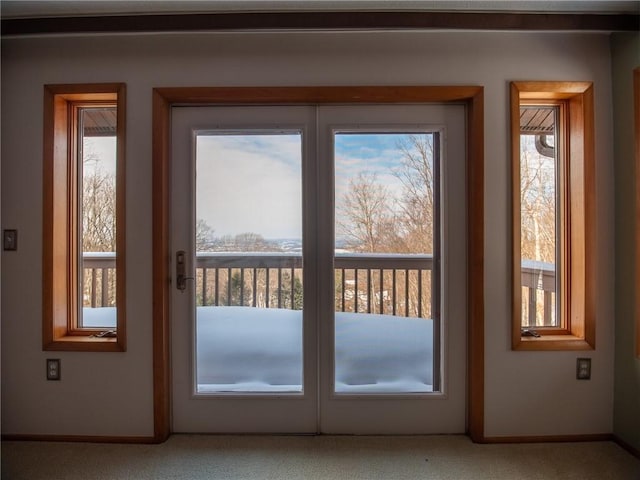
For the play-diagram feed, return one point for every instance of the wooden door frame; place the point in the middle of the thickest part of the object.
(166, 98)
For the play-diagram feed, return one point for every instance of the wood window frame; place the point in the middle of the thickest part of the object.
(577, 211)
(60, 330)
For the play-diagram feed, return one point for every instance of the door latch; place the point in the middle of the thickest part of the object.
(181, 270)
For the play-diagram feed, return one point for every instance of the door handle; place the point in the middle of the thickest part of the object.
(181, 270)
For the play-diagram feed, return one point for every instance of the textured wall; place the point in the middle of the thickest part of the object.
(527, 393)
(626, 56)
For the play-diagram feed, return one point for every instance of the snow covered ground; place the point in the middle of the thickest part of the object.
(260, 350)
(246, 349)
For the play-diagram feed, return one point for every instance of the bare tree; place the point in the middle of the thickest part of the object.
(98, 223)
(416, 173)
(376, 222)
(99, 212)
(537, 207)
(205, 241)
(538, 218)
(366, 210)
(244, 242)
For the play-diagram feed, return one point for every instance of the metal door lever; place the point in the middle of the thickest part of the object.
(181, 269)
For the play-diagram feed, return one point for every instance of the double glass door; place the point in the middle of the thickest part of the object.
(319, 259)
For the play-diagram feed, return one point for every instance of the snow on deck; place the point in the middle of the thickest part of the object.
(247, 349)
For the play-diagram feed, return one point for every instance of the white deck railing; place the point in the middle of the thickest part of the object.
(393, 284)
(99, 279)
(538, 278)
(368, 283)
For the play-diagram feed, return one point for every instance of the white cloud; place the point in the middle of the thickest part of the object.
(250, 184)
(253, 183)
(104, 150)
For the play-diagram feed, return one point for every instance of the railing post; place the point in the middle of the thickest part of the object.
(292, 289)
(93, 288)
(104, 301)
(406, 293)
(368, 290)
(242, 287)
(343, 288)
(279, 288)
(204, 286)
(548, 320)
(381, 273)
(216, 300)
(533, 305)
(266, 295)
(393, 293)
(420, 293)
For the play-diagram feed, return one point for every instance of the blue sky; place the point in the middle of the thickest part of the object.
(372, 153)
(252, 183)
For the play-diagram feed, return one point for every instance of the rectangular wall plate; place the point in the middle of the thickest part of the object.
(53, 369)
(583, 369)
(10, 240)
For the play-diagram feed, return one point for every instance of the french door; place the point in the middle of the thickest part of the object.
(319, 269)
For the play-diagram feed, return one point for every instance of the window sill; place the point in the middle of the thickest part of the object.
(84, 343)
(551, 343)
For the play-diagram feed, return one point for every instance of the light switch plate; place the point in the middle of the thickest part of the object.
(583, 369)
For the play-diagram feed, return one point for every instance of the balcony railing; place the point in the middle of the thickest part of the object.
(268, 280)
(392, 284)
(538, 278)
(99, 279)
(389, 284)
(365, 283)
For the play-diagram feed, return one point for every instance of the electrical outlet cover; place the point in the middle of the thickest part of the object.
(583, 369)
(10, 240)
(53, 369)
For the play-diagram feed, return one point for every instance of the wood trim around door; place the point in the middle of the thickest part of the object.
(165, 98)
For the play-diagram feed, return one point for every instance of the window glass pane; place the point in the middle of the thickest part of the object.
(248, 236)
(97, 210)
(385, 241)
(538, 212)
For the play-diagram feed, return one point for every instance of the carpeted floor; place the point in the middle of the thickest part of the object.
(196, 457)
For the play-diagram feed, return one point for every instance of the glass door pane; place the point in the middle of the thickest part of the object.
(248, 272)
(386, 262)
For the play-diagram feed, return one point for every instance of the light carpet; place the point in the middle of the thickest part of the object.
(196, 457)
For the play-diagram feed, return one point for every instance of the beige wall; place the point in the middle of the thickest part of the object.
(527, 393)
(626, 56)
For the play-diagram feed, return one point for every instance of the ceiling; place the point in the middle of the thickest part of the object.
(537, 120)
(67, 8)
(99, 122)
